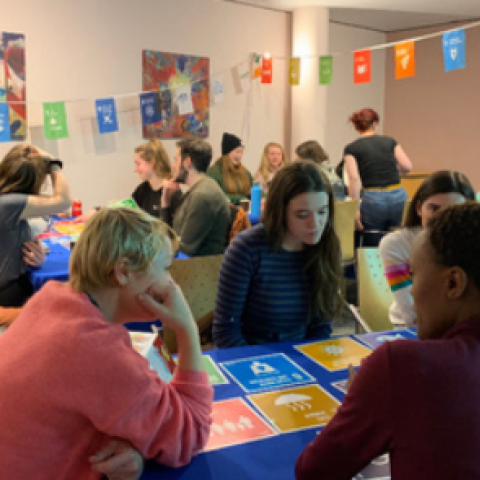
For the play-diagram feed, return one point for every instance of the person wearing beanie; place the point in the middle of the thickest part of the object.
(234, 179)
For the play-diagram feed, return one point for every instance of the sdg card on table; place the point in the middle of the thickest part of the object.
(266, 372)
(375, 339)
(235, 422)
(335, 354)
(215, 376)
(296, 408)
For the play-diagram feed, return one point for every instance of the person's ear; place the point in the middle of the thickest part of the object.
(418, 208)
(121, 272)
(457, 282)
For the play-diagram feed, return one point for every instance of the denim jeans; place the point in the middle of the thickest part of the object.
(380, 211)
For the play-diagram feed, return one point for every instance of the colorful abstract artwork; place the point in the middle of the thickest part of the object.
(12, 82)
(165, 73)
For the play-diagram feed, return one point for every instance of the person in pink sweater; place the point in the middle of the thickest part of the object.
(71, 383)
(418, 400)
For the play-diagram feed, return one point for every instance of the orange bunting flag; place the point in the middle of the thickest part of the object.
(404, 60)
(294, 78)
(362, 66)
(267, 69)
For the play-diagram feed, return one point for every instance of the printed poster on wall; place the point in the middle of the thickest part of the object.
(454, 50)
(163, 72)
(362, 66)
(13, 82)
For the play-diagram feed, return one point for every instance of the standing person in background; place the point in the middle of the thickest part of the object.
(280, 280)
(312, 150)
(273, 159)
(203, 219)
(234, 179)
(437, 191)
(373, 163)
(23, 171)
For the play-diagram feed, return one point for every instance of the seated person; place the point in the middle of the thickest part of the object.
(437, 191)
(203, 218)
(232, 177)
(273, 159)
(418, 400)
(153, 167)
(85, 382)
(280, 280)
(23, 171)
(312, 150)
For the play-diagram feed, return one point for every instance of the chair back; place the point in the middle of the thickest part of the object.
(198, 279)
(374, 294)
(344, 226)
(405, 210)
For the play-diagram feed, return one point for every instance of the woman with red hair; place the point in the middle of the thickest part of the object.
(373, 164)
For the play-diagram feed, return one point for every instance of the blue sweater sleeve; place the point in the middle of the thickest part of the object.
(234, 282)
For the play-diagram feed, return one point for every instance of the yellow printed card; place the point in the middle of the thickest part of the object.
(335, 354)
(296, 408)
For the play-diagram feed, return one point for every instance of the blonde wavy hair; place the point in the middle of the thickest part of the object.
(154, 152)
(264, 168)
(111, 235)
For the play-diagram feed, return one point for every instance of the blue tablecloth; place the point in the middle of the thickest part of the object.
(271, 458)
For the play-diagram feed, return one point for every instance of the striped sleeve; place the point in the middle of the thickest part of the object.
(398, 276)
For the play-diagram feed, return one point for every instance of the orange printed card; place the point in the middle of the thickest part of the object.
(296, 408)
(335, 354)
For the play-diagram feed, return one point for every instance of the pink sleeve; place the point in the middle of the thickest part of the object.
(166, 421)
(359, 431)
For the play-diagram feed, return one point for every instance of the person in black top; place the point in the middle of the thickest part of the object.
(373, 164)
(153, 167)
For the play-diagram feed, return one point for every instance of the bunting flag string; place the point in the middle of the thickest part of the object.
(258, 66)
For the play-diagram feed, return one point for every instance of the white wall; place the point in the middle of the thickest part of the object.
(93, 49)
(344, 97)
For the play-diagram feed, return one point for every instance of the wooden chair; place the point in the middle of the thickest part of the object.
(344, 226)
(405, 210)
(374, 294)
(198, 279)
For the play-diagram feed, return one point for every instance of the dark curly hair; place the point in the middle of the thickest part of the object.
(454, 234)
(323, 263)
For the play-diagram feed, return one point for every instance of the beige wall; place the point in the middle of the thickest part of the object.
(343, 96)
(93, 48)
(436, 115)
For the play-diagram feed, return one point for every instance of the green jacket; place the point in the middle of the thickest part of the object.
(215, 172)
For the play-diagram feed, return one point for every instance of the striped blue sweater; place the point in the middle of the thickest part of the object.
(263, 296)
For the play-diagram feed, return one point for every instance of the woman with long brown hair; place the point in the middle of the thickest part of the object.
(234, 179)
(23, 171)
(281, 280)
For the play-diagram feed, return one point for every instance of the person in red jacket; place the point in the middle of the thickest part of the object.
(71, 382)
(418, 400)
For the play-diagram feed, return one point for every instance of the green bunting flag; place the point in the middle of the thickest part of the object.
(326, 70)
(55, 120)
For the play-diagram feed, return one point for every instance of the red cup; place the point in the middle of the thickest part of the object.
(76, 208)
